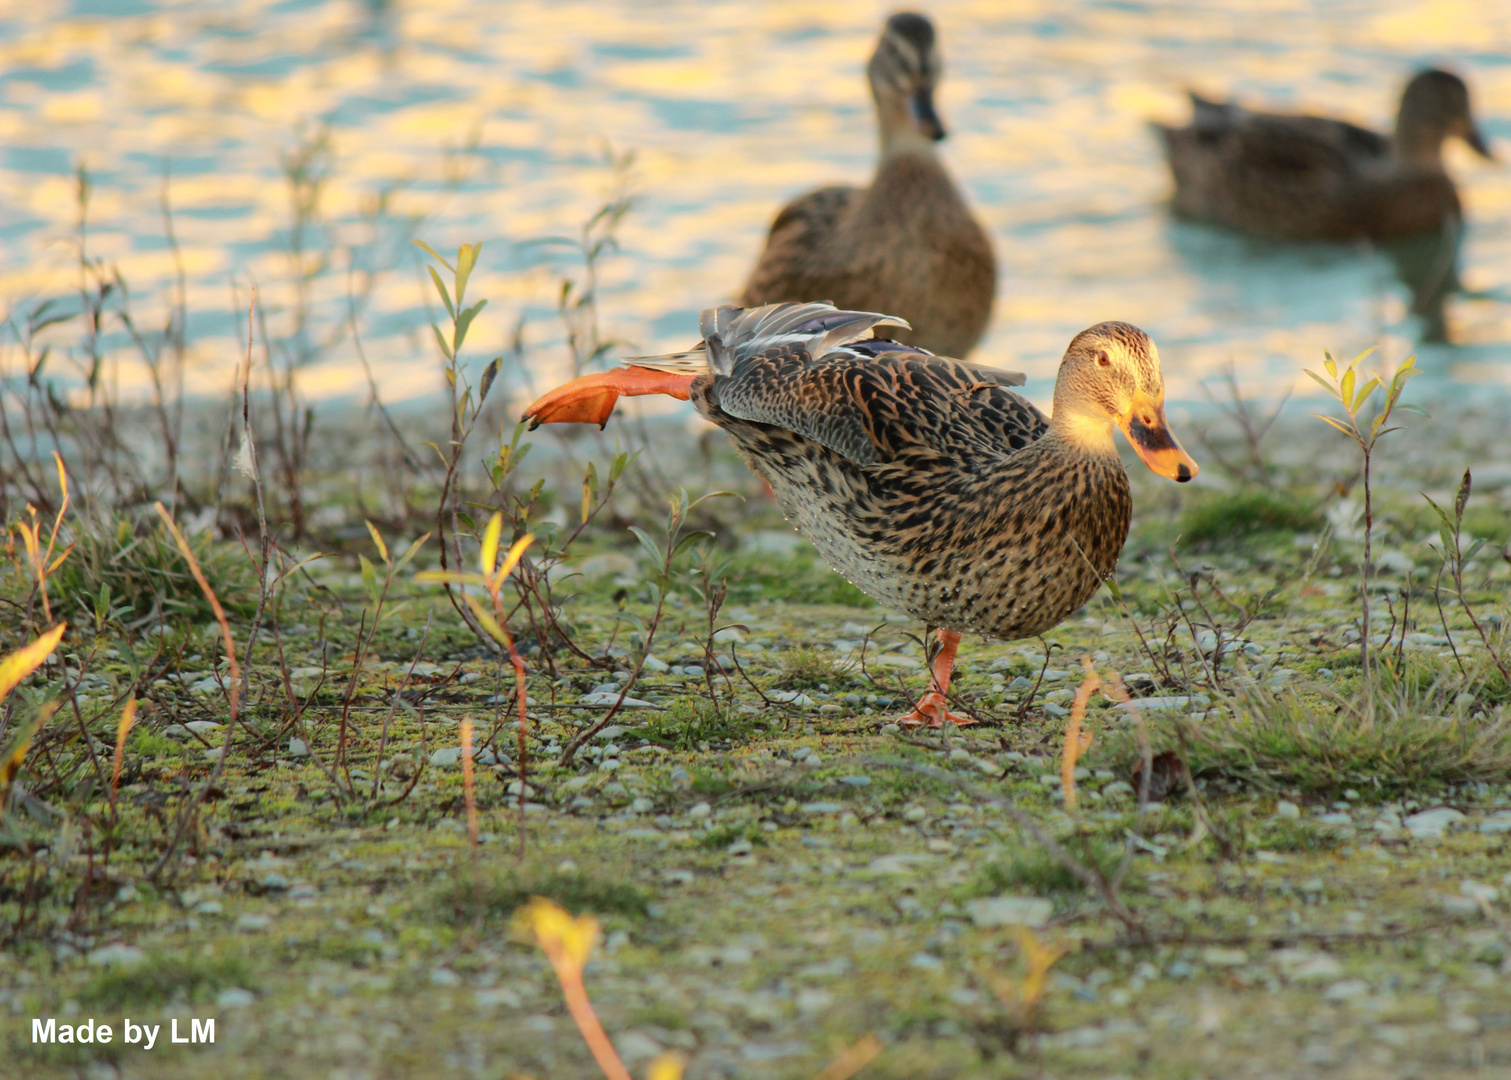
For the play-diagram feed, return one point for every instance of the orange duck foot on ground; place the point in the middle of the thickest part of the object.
(932, 708)
(591, 399)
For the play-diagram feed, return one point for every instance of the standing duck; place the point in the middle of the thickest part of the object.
(1301, 177)
(922, 479)
(908, 243)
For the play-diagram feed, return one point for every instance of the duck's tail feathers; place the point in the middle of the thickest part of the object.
(1208, 115)
(732, 334)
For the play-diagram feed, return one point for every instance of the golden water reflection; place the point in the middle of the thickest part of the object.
(732, 108)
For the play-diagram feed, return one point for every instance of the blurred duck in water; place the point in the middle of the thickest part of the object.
(1298, 177)
(907, 244)
(923, 480)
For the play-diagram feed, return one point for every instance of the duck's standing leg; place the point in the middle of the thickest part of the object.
(932, 708)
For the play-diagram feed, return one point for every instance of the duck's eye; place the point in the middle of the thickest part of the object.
(1103, 360)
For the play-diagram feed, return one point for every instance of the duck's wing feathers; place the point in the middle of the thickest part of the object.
(872, 400)
(1285, 141)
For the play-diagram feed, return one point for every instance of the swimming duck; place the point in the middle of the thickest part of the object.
(1310, 177)
(922, 479)
(908, 243)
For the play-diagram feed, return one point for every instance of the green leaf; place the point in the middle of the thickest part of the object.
(464, 323)
(414, 549)
(369, 577)
(1461, 499)
(690, 539)
(440, 287)
(445, 349)
(651, 550)
(1416, 409)
(1474, 549)
(1339, 425)
(1364, 393)
(466, 259)
(427, 249)
(1331, 388)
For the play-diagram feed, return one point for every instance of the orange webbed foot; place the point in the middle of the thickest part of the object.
(933, 709)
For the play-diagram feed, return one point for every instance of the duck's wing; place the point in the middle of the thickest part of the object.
(867, 400)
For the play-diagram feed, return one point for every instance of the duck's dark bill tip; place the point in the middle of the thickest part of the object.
(1182, 473)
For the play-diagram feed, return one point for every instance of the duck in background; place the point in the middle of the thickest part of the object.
(923, 480)
(1300, 177)
(906, 244)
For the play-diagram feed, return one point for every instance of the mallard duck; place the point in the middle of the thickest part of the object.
(922, 479)
(908, 243)
(1309, 177)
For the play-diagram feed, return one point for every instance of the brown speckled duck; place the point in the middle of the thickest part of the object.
(908, 243)
(924, 480)
(1309, 177)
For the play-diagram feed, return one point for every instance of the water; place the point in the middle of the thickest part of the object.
(732, 109)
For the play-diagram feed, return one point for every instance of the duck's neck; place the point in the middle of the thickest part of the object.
(1417, 142)
(1081, 434)
(905, 140)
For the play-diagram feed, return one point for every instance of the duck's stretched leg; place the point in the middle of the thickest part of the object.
(932, 708)
(591, 399)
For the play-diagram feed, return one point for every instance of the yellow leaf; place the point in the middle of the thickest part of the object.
(382, 547)
(21, 663)
(666, 1067)
(485, 617)
(12, 764)
(516, 553)
(488, 556)
(557, 932)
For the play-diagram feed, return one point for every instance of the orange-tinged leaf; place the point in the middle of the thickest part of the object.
(853, 1060)
(21, 663)
(1077, 742)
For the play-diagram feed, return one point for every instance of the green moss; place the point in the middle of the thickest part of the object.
(1220, 518)
(801, 578)
(456, 901)
(166, 977)
(1035, 871)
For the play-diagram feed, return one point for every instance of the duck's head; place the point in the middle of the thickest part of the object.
(903, 71)
(1434, 106)
(1110, 377)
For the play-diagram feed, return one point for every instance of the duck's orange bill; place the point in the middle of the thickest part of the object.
(1149, 433)
(590, 399)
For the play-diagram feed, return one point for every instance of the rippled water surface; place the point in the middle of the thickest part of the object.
(731, 108)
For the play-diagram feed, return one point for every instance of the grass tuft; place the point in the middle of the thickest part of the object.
(163, 978)
(576, 891)
(1245, 513)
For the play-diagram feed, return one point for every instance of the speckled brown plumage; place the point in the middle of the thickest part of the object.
(907, 244)
(1309, 177)
(922, 479)
(955, 508)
